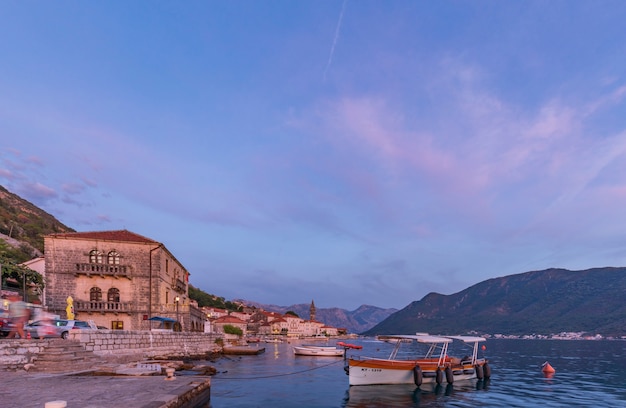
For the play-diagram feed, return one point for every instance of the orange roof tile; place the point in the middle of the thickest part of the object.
(228, 319)
(119, 235)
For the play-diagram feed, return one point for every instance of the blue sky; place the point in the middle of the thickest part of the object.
(350, 152)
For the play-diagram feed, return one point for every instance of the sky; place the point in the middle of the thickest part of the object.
(346, 152)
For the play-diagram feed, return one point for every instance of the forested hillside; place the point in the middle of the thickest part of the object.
(22, 228)
(542, 302)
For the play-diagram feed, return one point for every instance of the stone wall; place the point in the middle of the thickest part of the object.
(117, 346)
(148, 344)
(14, 354)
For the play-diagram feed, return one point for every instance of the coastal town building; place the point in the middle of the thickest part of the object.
(259, 322)
(117, 280)
(214, 312)
(220, 322)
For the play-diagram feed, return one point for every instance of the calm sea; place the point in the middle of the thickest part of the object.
(588, 373)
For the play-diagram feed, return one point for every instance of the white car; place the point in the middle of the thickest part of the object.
(54, 328)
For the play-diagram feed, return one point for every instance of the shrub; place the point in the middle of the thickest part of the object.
(229, 329)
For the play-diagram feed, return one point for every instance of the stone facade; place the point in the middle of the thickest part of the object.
(118, 280)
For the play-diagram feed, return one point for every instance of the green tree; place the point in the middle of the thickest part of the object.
(230, 329)
(207, 300)
(15, 276)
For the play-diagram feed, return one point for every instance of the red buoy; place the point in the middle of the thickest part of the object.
(546, 368)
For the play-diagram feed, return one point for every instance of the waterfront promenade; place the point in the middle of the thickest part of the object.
(25, 390)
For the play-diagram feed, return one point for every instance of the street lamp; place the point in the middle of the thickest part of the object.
(177, 299)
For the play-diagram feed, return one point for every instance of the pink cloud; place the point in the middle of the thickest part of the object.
(7, 174)
(37, 192)
(73, 188)
(35, 160)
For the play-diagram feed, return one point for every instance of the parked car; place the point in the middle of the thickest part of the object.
(54, 328)
(5, 324)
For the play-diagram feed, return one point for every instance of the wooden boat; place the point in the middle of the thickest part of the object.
(313, 350)
(243, 350)
(433, 365)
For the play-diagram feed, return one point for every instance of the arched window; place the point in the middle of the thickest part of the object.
(95, 294)
(113, 258)
(113, 295)
(95, 256)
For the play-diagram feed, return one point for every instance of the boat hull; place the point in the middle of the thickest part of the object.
(243, 350)
(385, 372)
(318, 351)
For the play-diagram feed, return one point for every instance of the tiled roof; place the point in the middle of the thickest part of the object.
(120, 235)
(228, 319)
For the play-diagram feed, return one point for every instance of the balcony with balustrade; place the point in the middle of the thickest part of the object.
(179, 286)
(103, 307)
(103, 270)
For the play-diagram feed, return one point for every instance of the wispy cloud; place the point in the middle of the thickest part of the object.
(37, 192)
(335, 39)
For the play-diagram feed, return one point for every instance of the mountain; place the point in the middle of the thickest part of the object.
(23, 226)
(540, 302)
(356, 321)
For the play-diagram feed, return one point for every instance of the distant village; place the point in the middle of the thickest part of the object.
(559, 336)
(258, 322)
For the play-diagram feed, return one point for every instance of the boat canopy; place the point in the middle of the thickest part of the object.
(420, 338)
(468, 339)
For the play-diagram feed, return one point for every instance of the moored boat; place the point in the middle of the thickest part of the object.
(243, 350)
(433, 365)
(312, 350)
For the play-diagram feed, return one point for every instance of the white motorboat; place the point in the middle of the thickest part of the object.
(313, 350)
(432, 366)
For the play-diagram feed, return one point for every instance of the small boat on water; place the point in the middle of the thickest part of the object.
(330, 351)
(314, 350)
(431, 366)
(243, 350)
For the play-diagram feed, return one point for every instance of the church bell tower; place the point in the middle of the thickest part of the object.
(312, 310)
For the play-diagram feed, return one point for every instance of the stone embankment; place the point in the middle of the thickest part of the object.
(114, 346)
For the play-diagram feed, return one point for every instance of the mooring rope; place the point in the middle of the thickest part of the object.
(277, 375)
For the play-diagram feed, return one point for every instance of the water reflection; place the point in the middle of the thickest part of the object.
(382, 396)
(406, 395)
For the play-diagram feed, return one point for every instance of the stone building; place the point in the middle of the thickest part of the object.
(119, 280)
(219, 323)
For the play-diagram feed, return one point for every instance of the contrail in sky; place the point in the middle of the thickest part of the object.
(332, 49)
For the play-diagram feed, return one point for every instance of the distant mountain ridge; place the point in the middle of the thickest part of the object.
(540, 302)
(356, 321)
